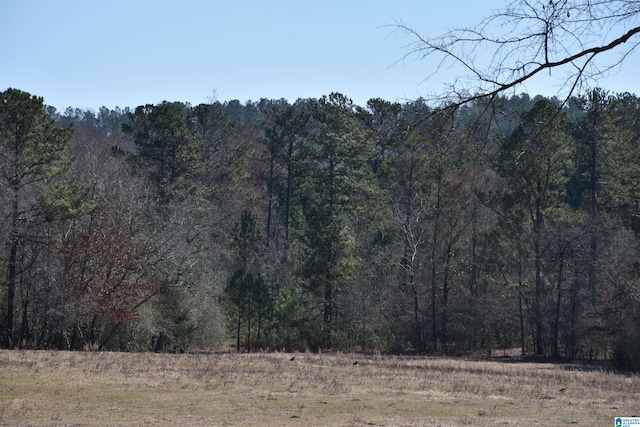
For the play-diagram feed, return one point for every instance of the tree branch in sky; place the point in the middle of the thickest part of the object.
(527, 38)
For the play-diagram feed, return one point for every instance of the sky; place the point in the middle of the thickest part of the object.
(92, 53)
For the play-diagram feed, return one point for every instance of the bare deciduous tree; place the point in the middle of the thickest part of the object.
(528, 38)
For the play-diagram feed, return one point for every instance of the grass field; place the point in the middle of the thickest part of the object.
(41, 388)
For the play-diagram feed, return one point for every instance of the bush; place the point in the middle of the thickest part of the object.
(627, 347)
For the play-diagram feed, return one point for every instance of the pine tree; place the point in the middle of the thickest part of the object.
(32, 155)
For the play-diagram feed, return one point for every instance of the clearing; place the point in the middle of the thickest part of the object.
(46, 388)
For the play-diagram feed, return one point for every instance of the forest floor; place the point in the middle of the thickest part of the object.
(47, 388)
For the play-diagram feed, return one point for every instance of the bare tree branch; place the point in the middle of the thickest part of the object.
(528, 37)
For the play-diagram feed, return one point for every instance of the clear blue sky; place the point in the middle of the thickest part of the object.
(92, 53)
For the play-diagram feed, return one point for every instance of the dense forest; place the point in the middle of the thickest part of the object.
(391, 227)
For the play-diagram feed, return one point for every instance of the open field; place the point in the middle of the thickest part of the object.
(40, 388)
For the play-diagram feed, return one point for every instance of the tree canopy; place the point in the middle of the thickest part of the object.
(506, 222)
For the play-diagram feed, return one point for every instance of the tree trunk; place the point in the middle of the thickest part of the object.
(537, 308)
(11, 291)
(593, 231)
(25, 335)
(287, 203)
(555, 352)
(436, 225)
(238, 331)
(249, 314)
(270, 201)
(520, 310)
(416, 316)
(112, 332)
(12, 270)
(408, 271)
(445, 297)
(574, 313)
(327, 314)
(537, 303)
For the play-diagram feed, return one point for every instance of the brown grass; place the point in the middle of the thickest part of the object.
(39, 388)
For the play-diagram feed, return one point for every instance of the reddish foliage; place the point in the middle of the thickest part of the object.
(105, 267)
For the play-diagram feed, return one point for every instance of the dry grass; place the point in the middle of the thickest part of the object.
(39, 388)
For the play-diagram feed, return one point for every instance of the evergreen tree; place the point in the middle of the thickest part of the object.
(166, 148)
(535, 161)
(32, 156)
(246, 291)
(338, 179)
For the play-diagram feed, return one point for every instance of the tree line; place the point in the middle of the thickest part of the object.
(321, 224)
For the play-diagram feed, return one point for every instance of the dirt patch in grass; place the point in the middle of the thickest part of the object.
(39, 388)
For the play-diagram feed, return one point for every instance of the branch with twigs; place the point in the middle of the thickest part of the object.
(533, 36)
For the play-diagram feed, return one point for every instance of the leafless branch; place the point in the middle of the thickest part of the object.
(528, 37)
